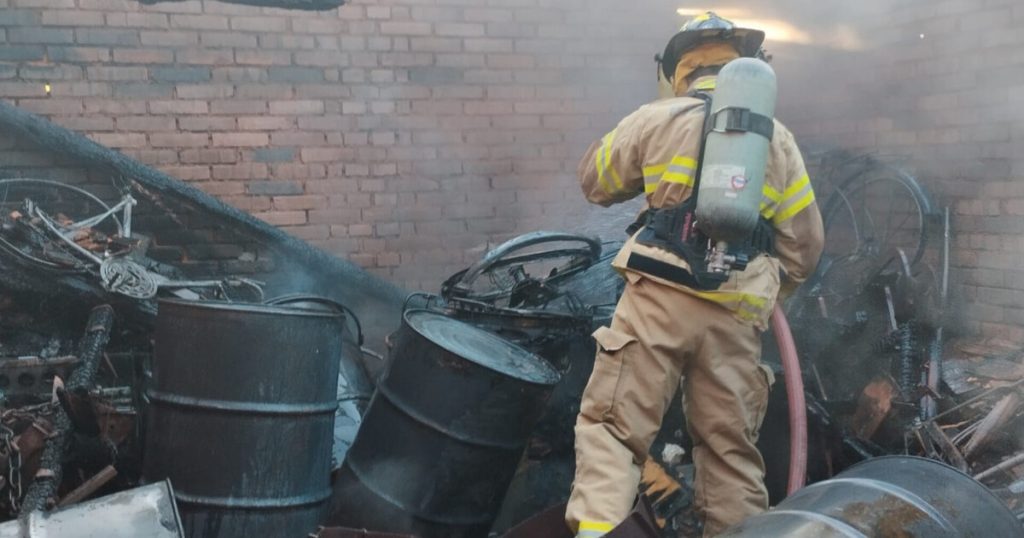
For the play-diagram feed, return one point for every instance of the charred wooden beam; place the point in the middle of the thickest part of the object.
(90, 350)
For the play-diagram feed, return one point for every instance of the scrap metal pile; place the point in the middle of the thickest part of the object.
(881, 377)
(201, 408)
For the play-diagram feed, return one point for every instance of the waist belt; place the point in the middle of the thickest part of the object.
(673, 229)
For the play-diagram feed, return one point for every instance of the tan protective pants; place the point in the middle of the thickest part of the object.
(659, 334)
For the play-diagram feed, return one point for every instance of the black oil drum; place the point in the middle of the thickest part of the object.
(898, 496)
(241, 414)
(444, 432)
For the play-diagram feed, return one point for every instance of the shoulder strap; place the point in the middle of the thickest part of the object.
(708, 125)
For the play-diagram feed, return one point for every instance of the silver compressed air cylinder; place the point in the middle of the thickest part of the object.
(734, 163)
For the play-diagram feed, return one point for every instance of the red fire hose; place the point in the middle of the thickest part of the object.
(795, 398)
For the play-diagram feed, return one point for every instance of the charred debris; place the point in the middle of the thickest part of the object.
(224, 399)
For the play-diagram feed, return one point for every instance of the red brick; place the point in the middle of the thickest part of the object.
(58, 17)
(205, 57)
(325, 26)
(138, 20)
(205, 91)
(240, 139)
(120, 140)
(292, 203)
(115, 106)
(296, 138)
(209, 156)
(240, 171)
(98, 72)
(238, 106)
(168, 39)
(283, 218)
(221, 188)
(265, 123)
(178, 140)
(187, 173)
(85, 123)
(296, 107)
(143, 56)
(52, 106)
(178, 107)
(406, 28)
(314, 155)
(199, 22)
(459, 29)
(259, 24)
(145, 123)
(261, 57)
(229, 39)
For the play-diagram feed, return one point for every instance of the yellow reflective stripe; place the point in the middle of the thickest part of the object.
(678, 170)
(795, 208)
(655, 170)
(677, 177)
(767, 211)
(603, 165)
(598, 526)
(599, 164)
(796, 187)
(688, 162)
(607, 161)
(770, 193)
(618, 180)
(797, 196)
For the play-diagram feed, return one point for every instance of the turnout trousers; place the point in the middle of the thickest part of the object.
(658, 335)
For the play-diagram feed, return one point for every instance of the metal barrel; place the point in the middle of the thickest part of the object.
(241, 415)
(898, 496)
(444, 433)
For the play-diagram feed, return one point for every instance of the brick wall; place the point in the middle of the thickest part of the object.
(407, 135)
(942, 93)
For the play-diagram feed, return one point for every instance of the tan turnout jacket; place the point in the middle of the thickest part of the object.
(654, 151)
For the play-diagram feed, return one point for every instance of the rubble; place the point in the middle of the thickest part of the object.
(871, 326)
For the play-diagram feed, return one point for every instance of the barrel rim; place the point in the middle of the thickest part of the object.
(988, 492)
(415, 512)
(248, 308)
(547, 375)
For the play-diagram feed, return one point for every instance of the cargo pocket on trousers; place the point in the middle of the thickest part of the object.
(614, 348)
(767, 378)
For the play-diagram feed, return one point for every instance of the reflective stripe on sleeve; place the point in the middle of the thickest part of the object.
(795, 199)
(679, 170)
(605, 168)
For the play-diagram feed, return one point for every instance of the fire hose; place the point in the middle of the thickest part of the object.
(795, 400)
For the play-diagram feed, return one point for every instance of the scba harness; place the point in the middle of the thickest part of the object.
(677, 230)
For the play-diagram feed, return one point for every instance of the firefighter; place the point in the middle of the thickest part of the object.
(668, 325)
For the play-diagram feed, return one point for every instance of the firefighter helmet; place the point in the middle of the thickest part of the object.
(708, 28)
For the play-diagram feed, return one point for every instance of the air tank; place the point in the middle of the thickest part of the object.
(735, 158)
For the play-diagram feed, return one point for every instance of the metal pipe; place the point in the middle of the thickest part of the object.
(1016, 460)
(930, 405)
(795, 397)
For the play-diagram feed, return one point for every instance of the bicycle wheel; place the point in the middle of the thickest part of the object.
(875, 215)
